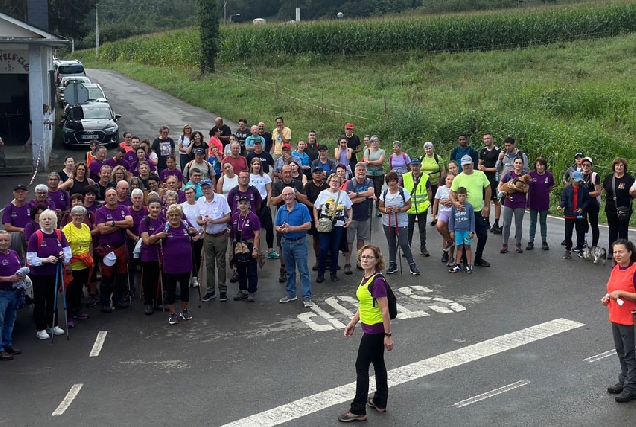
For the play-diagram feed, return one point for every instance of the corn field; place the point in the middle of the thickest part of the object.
(452, 33)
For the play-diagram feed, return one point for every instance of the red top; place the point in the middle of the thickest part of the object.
(622, 278)
(239, 163)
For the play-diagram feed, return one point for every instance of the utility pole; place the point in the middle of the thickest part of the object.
(96, 30)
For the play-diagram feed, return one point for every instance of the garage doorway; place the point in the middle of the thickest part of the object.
(14, 108)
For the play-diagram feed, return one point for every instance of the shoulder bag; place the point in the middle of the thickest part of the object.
(325, 224)
(622, 212)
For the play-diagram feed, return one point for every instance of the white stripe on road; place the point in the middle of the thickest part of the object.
(491, 393)
(600, 356)
(72, 393)
(338, 395)
(99, 342)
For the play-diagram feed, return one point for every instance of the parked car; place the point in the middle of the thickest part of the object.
(68, 69)
(64, 83)
(83, 93)
(87, 122)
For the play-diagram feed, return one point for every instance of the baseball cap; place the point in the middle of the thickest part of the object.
(417, 162)
(286, 147)
(243, 197)
(578, 155)
(577, 176)
(20, 187)
(466, 160)
(316, 169)
(428, 144)
(349, 126)
(397, 144)
(588, 159)
(198, 151)
(322, 148)
(205, 182)
(257, 141)
(110, 259)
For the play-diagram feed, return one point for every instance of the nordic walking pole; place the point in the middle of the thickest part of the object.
(64, 299)
(201, 268)
(397, 237)
(57, 277)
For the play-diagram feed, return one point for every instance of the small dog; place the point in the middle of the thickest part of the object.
(516, 185)
(595, 253)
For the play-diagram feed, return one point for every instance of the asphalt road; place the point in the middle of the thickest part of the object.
(480, 350)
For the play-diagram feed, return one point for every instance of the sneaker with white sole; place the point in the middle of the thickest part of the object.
(194, 282)
(43, 335)
(173, 319)
(56, 331)
(308, 303)
(287, 299)
(273, 254)
(185, 314)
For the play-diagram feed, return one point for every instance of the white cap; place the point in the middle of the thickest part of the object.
(110, 259)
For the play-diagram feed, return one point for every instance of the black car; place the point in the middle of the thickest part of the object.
(87, 122)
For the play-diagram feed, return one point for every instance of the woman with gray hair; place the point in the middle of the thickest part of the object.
(399, 161)
(42, 196)
(138, 212)
(47, 247)
(374, 157)
(78, 235)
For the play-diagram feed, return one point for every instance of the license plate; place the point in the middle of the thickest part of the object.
(90, 136)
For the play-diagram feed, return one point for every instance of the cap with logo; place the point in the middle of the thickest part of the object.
(20, 187)
(198, 151)
(577, 176)
(579, 155)
(349, 126)
(466, 160)
(205, 182)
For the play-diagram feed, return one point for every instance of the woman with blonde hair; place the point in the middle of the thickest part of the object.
(184, 142)
(119, 173)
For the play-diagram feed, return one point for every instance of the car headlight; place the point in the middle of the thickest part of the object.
(111, 129)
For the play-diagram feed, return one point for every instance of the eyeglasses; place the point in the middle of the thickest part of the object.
(288, 195)
(367, 257)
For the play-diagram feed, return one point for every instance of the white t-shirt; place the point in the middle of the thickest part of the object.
(443, 193)
(396, 201)
(229, 183)
(191, 212)
(326, 203)
(260, 182)
(184, 141)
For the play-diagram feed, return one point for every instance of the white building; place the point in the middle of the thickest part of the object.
(27, 81)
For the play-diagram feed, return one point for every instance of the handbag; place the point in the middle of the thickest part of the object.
(325, 224)
(622, 212)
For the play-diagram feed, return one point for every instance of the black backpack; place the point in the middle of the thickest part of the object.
(389, 295)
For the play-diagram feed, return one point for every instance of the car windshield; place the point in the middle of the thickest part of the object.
(69, 81)
(71, 69)
(96, 113)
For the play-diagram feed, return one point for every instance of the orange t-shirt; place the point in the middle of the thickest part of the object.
(623, 280)
(125, 147)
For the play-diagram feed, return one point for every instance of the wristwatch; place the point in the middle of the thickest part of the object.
(387, 334)
(113, 224)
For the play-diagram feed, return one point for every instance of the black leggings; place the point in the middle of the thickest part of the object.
(75, 288)
(150, 281)
(378, 182)
(170, 284)
(617, 229)
(43, 296)
(265, 217)
(592, 214)
(196, 256)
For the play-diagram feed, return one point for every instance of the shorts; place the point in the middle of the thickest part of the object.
(462, 238)
(361, 228)
(493, 189)
(444, 216)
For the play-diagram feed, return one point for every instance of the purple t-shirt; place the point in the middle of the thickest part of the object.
(48, 202)
(246, 225)
(30, 228)
(150, 253)
(134, 167)
(50, 246)
(92, 209)
(252, 194)
(177, 251)
(9, 264)
(18, 216)
(166, 173)
(105, 215)
(60, 199)
(126, 202)
(379, 291)
(137, 217)
(539, 192)
(94, 168)
(518, 199)
(112, 163)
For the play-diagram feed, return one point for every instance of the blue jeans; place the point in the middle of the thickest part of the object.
(8, 302)
(295, 256)
(329, 241)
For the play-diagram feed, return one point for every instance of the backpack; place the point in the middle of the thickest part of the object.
(389, 295)
(391, 160)
(401, 190)
(189, 166)
(40, 236)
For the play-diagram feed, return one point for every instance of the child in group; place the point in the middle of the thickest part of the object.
(215, 162)
(441, 214)
(462, 228)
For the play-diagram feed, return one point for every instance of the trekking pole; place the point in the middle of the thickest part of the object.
(201, 269)
(163, 302)
(64, 300)
(57, 277)
(397, 237)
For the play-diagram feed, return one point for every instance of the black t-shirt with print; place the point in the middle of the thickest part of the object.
(489, 158)
(623, 184)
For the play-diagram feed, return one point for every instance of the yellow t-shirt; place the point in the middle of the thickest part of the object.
(79, 239)
(278, 139)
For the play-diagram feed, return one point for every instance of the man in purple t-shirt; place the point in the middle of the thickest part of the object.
(118, 159)
(60, 198)
(131, 155)
(16, 214)
(244, 189)
(112, 220)
(96, 164)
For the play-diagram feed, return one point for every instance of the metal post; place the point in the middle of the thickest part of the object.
(96, 30)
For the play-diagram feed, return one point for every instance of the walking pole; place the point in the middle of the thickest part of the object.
(397, 237)
(57, 277)
(64, 299)
(163, 303)
(201, 269)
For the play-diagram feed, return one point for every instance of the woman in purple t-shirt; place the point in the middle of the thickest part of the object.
(176, 236)
(43, 255)
(10, 262)
(148, 226)
(515, 205)
(539, 201)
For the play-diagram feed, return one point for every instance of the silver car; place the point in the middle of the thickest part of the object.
(63, 85)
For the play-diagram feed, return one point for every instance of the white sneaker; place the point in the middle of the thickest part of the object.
(56, 331)
(42, 335)
(194, 282)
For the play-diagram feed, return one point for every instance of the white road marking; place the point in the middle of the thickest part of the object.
(333, 302)
(491, 393)
(338, 395)
(600, 356)
(322, 313)
(404, 313)
(306, 318)
(72, 394)
(99, 342)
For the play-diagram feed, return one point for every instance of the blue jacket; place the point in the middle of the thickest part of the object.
(567, 200)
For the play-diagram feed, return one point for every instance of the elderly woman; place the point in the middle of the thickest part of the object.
(10, 262)
(228, 180)
(150, 253)
(245, 228)
(138, 212)
(89, 218)
(42, 196)
(394, 204)
(433, 166)
(77, 181)
(399, 161)
(618, 199)
(78, 235)
(373, 313)
(620, 301)
(374, 159)
(334, 206)
(47, 247)
(176, 237)
(34, 224)
(59, 197)
(191, 211)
